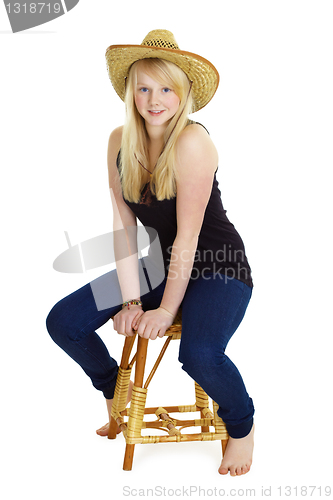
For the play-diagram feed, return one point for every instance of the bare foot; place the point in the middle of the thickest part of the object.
(104, 431)
(238, 455)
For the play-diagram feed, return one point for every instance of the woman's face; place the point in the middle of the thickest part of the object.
(156, 103)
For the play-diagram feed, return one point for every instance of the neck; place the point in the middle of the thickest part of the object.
(155, 134)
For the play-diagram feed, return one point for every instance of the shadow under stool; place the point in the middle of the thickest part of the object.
(135, 413)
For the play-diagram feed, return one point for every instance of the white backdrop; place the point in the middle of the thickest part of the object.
(271, 121)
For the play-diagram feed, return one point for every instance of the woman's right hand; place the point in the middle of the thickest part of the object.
(125, 319)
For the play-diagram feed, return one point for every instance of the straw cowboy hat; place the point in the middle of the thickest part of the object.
(161, 44)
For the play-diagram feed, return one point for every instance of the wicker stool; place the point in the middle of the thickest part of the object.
(135, 413)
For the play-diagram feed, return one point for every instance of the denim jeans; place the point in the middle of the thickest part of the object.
(212, 309)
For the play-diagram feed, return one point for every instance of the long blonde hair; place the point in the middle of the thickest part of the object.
(134, 139)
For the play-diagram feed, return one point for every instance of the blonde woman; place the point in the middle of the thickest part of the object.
(162, 171)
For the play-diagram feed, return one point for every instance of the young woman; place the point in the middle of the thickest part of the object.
(162, 170)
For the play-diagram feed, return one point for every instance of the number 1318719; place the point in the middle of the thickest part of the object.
(304, 491)
(33, 8)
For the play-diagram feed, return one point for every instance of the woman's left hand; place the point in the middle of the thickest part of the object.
(154, 323)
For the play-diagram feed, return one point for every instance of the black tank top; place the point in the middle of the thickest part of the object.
(220, 248)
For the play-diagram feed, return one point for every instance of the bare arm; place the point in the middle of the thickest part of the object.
(125, 242)
(197, 162)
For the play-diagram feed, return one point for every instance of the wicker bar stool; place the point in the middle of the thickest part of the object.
(134, 415)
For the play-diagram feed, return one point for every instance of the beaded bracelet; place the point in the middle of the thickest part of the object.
(134, 302)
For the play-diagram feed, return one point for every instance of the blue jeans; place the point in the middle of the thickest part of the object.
(212, 309)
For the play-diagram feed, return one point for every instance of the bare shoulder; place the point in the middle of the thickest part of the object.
(123, 215)
(194, 134)
(195, 148)
(114, 146)
(113, 150)
(115, 138)
(196, 163)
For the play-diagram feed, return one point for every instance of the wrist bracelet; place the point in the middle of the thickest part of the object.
(135, 302)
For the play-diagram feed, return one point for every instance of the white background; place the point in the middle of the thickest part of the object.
(271, 120)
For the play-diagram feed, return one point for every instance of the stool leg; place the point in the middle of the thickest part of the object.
(224, 443)
(112, 429)
(204, 428)
(128, 344)
(138, 382)
(201, 401)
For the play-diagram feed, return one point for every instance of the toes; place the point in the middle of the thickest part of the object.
(233, 471)
(103, 431)
(245, 469)
(103, 428)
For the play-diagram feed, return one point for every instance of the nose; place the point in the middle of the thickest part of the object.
(154, 97)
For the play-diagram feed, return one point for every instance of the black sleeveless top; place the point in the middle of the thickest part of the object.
(220, 248)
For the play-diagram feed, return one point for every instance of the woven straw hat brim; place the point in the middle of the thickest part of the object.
(199, 70)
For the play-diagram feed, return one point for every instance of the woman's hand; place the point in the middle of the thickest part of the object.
(124, 320)
(154, 323)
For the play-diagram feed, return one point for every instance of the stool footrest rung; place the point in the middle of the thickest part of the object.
(184, 423)
(169, 409)
(203, 436)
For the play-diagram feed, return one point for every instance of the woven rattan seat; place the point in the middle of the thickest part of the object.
(131, 419)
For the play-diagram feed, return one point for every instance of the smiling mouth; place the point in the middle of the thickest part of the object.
(156, 113)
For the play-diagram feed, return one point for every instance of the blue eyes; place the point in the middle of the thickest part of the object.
(145, 90)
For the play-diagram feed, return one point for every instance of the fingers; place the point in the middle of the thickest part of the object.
(150, 333)
(149, 324)
(124, 320)
(126, 333)
(136, 320)
(150, 330)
